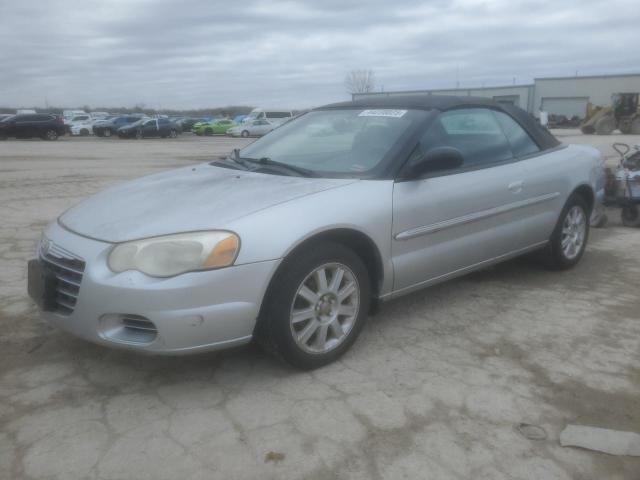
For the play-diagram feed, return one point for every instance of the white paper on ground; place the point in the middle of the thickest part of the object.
(604, 440)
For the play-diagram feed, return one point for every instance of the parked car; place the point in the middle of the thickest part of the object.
(111, 126)
(255, 128)
(216, 127)
(273, 116)
(188, 123)
(151, 127)
(292, 239)
(44, 125)
(67, 115)
(82, 129)
(100, 115)
(75, 120)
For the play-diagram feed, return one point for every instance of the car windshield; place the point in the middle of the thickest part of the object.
(342, 142)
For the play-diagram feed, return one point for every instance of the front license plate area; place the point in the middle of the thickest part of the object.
(41, 285)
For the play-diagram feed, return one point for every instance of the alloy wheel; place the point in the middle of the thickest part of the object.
(325, 308)
(574, 229)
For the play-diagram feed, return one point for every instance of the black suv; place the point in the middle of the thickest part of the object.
(44, 125)
(106, 128)
(150, 127)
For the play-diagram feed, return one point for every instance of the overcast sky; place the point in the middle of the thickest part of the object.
(192, 54)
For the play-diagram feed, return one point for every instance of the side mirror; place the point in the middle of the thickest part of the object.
(436, 159)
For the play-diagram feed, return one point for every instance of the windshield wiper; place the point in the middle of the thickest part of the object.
(303, 172)
(235, 158)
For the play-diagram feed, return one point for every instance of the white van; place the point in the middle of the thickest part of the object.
(272, 115)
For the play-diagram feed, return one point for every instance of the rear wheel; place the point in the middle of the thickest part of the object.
(635, 126)
(84, 132)
(139, 134)
(50, 135)
(316, 306)
(107, 132)
(244, 134)
(208, 132)
(569, 239)
(173, 134)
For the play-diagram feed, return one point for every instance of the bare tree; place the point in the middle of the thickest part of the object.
(359, 81)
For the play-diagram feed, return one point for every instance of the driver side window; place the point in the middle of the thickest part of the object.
(475, 132)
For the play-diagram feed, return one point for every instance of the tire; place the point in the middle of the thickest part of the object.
(50, 135)
(173, 134)
(326, 324)
(605, 126)
(635, 126)
(107, 132)
(630, 216)
(558, 257)
(84, 132)
(139, 135)
(208, 132)
(244, 134)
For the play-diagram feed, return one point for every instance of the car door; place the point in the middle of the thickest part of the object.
(10, 128)
(163, 127)
(24, 126)
(150, 128)
(543, 180)
(452, 221)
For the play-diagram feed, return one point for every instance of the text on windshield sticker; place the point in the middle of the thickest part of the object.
(383, 113)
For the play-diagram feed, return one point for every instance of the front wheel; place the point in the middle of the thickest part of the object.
(316, 306)
(244, 134)
(107, 132)
(138, 134)
(569, 239)
(173, 134)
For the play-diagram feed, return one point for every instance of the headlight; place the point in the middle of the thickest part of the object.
(174, 254)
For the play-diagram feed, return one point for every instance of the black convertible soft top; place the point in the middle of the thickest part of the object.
(541, 135)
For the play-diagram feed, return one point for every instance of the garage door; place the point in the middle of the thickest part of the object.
(567, 106)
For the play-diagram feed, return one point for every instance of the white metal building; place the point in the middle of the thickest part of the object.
(568, 96)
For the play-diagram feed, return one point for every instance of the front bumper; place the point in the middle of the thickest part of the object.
(191, 312)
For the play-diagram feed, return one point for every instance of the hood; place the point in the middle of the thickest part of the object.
(203, 197)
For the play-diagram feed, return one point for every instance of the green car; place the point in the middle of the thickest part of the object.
(214, 127)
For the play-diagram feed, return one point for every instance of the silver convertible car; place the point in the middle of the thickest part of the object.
(292, 240)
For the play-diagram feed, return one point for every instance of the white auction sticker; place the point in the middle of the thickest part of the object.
(383, 113)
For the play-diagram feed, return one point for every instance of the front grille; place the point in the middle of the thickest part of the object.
(68, 270)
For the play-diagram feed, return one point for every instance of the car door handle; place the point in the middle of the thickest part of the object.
(516, 187)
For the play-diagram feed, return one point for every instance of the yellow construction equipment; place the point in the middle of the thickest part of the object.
(622, 114)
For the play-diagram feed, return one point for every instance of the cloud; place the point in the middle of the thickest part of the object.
(193, 53)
